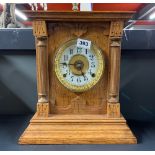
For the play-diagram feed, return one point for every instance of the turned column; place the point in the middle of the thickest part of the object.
(113, 106)
(40, 33)
(42, 69)
(114, 70)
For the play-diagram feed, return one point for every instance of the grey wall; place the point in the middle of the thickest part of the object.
(137, 88)
(18, 74)
(17, 83)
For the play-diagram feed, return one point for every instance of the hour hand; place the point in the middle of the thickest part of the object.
(70, 64)
(64, 63)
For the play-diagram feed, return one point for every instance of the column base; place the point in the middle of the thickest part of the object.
(42, 109)
(113, 110)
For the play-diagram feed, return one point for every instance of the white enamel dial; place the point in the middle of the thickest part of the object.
(77, 68)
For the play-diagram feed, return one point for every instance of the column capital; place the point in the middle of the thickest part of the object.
(115, 41)
(40, 28)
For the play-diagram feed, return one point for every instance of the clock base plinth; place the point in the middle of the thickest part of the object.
(77, 129)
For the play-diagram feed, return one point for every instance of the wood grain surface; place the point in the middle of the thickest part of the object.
(66, 117)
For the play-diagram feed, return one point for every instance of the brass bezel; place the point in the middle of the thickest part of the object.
(83, 59)
(100, 69)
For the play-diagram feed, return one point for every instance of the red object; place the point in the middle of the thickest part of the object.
(59, 6)
(144, 22)
(100, 6)
(1, 7)
(117, 6)
(27, 23)
(96, 6)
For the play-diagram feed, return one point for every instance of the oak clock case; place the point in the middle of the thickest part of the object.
(77, 68)
(78, 89)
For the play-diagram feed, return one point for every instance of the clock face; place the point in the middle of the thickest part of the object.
(78, 69)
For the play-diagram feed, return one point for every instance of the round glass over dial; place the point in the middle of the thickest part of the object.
(78, 69)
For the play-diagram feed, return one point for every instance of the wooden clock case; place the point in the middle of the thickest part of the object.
(65, 117)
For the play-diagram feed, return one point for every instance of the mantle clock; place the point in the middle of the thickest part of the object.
(78, 74)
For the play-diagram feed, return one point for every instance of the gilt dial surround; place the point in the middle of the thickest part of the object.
(79, 69)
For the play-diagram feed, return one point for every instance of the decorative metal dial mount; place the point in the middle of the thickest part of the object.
(78, 69)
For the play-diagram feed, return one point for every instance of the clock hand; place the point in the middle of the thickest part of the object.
(64, 63)
(82, 72)
(70, 64)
